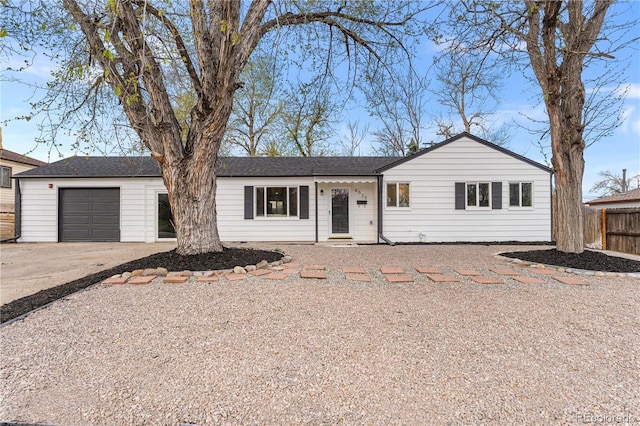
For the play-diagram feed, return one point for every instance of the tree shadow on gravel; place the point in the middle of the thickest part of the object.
(227, 259)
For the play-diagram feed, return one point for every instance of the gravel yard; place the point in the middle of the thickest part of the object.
(331, 351)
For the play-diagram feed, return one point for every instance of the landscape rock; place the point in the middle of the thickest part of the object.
(250, 268)
(126, 274)
(239, 270)
(186, 273)
(137, 272)
(286, 259)
(262, 264)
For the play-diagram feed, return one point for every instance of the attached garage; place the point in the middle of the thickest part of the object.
(89, 214)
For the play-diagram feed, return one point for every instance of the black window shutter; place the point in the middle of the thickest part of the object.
(248, 202)
(496, 195)
(304, 202)
(460, 196)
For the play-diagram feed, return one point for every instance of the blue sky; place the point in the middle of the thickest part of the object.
(613, 153)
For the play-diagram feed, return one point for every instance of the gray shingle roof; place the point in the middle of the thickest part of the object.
(103, 167)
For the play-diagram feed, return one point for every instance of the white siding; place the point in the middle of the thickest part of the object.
(7, 195)
(432, 177)
(40, 206)
(232, 225)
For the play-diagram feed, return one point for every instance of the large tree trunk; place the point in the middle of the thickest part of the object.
(568, 164)
(567, 145)
(190, 178)
(192, 195)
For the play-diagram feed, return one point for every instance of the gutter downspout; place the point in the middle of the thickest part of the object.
(316, 203)
(380, 235)
(17, 209)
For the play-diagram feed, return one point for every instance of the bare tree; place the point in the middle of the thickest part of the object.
(468, 87)
(556, 40)
(398, 101)
(309, 118)
(256, 107)
(354, 138)
(611, 183)
(123, 51)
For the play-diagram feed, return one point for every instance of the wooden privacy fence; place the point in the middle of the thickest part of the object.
(7, 220)
(612, 229)
(621, 230)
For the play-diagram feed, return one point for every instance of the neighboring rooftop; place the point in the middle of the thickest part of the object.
(632, 195)
(227, 167)
(7, 155)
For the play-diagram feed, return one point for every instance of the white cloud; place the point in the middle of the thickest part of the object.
(633, 90)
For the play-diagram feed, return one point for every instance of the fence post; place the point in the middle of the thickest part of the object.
(603, 229)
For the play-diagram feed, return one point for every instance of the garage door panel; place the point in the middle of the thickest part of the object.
(76, 207)
(105, 220)
(103, 207)
(89, 214)
(76, 235)
(76, 220)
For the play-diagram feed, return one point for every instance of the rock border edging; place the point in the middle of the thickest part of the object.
(575, 271)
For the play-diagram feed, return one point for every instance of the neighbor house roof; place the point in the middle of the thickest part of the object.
(632, 195)
(103, 167)
(5, 154)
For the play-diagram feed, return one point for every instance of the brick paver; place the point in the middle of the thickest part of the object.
(353, 270)
(391, 270)
(291, 265)
(424, 270)
(528, 280)
(570, 280)
(440, 278)
(399, 278)
(290, 271)
(358, 277)
(236, 277)
(118, 280)
(142, 279)
(276, 276)
(467, 272)
(486, 280)
(209, 279)
(505, 271)
(175, 280)
(259, 272)
(314, 267)
(313, 274)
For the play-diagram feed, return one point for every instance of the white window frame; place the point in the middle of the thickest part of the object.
(477, 200)
(264, 214)
(156, 218)
(520, 206)
(2, 169)
(397, 198)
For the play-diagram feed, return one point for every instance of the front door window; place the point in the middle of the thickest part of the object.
(339, 211)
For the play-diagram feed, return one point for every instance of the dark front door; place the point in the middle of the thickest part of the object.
(89, 214)
(339, 211)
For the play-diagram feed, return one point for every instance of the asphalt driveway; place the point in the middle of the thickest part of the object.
(27, 268)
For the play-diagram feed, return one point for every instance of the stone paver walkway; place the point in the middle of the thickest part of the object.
(388, 275)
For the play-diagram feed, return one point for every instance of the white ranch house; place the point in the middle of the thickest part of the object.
(463, 189)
